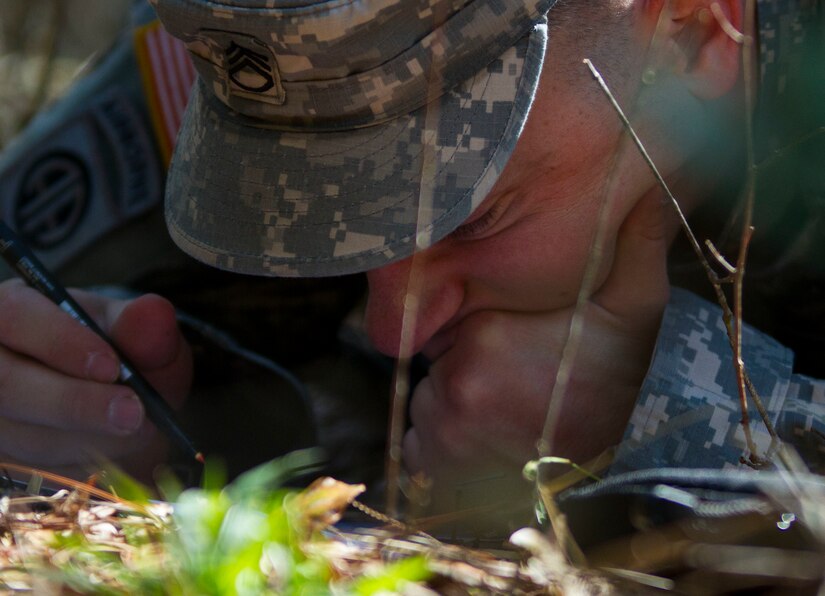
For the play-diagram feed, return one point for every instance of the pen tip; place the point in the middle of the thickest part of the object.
(199, 457)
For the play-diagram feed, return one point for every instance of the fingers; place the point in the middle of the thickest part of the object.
(150, 318)
(485, 399)
(34, 326)
(32, 393)
(57, 401)
(413, 458)
(461, 455)
(146, 330)
(45, 447)
(638, 283)
(441, 436)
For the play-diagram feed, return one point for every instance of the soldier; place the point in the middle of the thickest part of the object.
(463, 156)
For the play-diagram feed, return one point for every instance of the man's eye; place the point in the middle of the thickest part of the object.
(478, 226)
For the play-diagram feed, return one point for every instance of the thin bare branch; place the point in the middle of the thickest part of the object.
(719, 258)
(69, 482)
(576, 328)
(725, 23)
(747, 218)
(646, 156)
(729, 316)
(779, 153)
(401, 386)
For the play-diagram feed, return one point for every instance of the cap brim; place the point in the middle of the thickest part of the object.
(271, 202)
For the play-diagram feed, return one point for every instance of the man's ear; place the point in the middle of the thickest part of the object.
(695, 44)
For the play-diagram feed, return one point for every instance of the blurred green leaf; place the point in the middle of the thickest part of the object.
(123, 485)
(393, 577)
(275, 473)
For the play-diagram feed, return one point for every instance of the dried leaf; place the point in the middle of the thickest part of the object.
(323, 502)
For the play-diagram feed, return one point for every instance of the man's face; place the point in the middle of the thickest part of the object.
(526, 246)
(494, 301)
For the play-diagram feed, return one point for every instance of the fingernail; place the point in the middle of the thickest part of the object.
(102, 367)
(125, 413)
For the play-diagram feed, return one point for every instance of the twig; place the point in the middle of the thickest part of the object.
(726, 25)
(384, 519)
(777, 153)
(395, 433)
(423, 224)
(71, 483)
(568, 358)
(576, 328)
(719, 258)
(733, 329)
(746, 42)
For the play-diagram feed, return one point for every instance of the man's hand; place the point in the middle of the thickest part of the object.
(60, 407)
(479, 414)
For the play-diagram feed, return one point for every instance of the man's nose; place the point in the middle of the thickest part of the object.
(409, 301)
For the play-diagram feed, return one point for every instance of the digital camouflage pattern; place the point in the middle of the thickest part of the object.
(308, 149)
(334, 137)
(340, 65)
(688, 413)
(252, 192)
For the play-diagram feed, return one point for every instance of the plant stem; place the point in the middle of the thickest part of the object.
(732, 319)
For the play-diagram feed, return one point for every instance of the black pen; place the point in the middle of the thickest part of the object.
(29, 267)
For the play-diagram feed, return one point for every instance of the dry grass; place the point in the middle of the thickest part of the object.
(73, 542)
(43, 45)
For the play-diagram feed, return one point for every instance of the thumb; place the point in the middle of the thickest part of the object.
(638, 284)
(146, 330)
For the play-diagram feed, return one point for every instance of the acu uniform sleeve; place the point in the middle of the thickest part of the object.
(802, 420)
(688, 413)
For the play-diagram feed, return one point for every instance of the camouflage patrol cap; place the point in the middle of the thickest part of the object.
(326, 137)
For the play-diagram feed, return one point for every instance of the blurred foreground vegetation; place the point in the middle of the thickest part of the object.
(43, 46)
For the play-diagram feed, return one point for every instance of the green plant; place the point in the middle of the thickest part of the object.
(253, 536)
